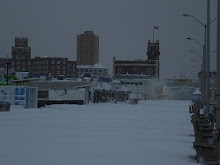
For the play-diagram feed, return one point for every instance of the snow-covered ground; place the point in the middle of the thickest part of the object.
(149, 133)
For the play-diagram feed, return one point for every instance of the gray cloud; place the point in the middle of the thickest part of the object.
(124, 27)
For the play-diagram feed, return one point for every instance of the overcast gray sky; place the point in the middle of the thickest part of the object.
(123, 26)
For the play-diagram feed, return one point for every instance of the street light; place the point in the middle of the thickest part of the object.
(192, 51)
(205, 65)
(203, 68)
(188, 15)
(218, 69)
(196, 62)
(193, 39)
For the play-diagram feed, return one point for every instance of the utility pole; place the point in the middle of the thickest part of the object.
(208, 59)
(218, 69)
(7, 64)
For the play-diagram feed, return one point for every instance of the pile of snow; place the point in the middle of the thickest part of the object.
(151, 132)
(197, 92)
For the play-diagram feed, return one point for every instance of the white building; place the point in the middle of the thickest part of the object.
(141, 88)
(93, 71)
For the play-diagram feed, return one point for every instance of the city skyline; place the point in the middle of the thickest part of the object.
(124, 30)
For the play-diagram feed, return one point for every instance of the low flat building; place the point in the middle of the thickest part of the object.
(92, 71)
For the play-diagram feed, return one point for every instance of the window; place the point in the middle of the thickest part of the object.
(58, 67)
(58, 72)
(153, 49)
(29, 63)
(58, 62)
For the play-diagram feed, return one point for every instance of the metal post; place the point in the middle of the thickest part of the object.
(203, 74)
(218, 69)
(7, 63)
(208, 58)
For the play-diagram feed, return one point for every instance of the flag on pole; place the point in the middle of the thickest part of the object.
(156, 27)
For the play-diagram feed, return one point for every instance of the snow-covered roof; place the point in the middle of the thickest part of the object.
(197, 92)
(96, 66)
(123, 89)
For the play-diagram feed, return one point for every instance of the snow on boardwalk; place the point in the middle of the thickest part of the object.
(149, 133)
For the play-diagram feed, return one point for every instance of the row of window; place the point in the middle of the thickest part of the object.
(95, 74)
(41, 68)
(132, 83)
(89, 70)
(196, 85)
(57, 73)
(21, 50)
(37, 62)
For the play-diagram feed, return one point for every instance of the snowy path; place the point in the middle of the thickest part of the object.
(150, 133)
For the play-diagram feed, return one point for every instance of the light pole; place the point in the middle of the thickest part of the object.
(203, 68)
(204, 78)
(193, 39)
(218, 69)
(208, 59)
(192, 51)
(196, 62)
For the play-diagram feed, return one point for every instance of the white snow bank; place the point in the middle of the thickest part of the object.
(149, 133)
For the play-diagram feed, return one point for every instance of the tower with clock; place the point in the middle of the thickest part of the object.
(148, 68)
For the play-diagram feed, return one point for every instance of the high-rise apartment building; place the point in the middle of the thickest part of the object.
(87, 48)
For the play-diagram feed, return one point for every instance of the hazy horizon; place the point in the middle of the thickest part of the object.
(123, 27)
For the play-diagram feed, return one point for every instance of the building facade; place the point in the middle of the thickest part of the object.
(21, 61)
(21, 50)
(93, 71)
(87, 48)
(148, 68)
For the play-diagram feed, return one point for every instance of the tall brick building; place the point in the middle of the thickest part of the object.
(148, 68)
(21, 49)
(21, 61)
(87, 48)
